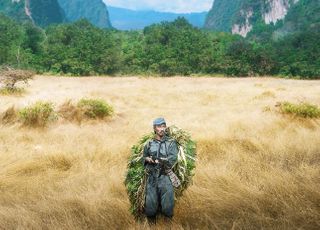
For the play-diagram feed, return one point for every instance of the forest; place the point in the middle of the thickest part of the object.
(164, 49)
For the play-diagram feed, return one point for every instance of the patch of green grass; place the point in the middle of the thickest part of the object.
(95, 108)
(38, 114)
(304, 110)
(12, 91)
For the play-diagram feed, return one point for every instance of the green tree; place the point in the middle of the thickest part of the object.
(11, 37)
(174, 48)
(133, 52)
(215, 59)
(82, 49)
(239, 54)
(299, 54)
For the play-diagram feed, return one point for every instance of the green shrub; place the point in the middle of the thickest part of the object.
(95, 108)
(38, 114)
(304, 110)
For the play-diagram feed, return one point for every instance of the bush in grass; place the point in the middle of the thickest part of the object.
(94, 108)
(136, 176)
(9, 78)
(38, 114)
(304, 110)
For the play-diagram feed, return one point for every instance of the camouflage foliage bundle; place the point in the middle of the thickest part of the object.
(136, 177)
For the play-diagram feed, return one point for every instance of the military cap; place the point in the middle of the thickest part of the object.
(159, 121)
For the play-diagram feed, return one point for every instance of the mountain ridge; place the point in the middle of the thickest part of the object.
(127, 19)
(39, 12)
(45, 12)
(95, 11)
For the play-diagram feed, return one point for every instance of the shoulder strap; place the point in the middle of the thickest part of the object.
(149, 144)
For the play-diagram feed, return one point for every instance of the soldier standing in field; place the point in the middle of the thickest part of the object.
(159, 156)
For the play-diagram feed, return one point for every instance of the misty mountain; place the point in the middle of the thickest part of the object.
(45, 12)
(125, 19)
(40, 12)
(95, 11)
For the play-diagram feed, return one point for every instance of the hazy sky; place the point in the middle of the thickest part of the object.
(178, 6)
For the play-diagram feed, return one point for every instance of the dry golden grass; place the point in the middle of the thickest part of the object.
(256, 169)
(9, 115)
(69, 111)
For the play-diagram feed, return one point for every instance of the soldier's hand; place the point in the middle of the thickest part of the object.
(149, 160)
(156, 161)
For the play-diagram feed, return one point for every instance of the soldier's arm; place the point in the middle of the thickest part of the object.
(145, 153)
(172, 153)
(146, 159)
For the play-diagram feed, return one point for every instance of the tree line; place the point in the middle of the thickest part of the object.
(166, 49)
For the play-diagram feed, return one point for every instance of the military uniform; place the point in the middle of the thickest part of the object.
(159, 190)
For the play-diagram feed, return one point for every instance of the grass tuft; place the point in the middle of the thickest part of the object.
(12, 91)
(38, 114)
(85, 109)
(95, 108)
(9, 116)
(304, 110)
(70, 112)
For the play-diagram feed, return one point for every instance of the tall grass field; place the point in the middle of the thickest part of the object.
(258, 166)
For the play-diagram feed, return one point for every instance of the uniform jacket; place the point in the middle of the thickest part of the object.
(166, 148)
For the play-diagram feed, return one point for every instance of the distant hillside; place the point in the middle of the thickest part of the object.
(94, 11)
(245, 16)
(222, 14)
(46, 12)
(305, 15)
(14, 10)
(125, 19)
(40, 12)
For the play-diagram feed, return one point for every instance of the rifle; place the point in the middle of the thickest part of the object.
(163, 161)
(164, 164)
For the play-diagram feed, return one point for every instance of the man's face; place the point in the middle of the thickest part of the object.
(159, 129)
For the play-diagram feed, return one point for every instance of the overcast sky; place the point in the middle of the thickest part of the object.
(178, 6)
